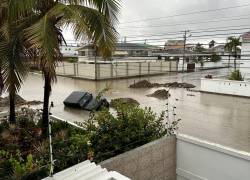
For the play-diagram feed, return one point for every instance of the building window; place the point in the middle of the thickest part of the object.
(83, 53)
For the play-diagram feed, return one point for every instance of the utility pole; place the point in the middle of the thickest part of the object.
(125, 39)
(184, 49)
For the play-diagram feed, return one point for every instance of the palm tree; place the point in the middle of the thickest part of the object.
(211, 44)
(228, 48)
(12, 67)
(232, 47)
(93, 18)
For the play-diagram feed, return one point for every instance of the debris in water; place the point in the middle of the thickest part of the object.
(160, 94)
(147, 84)
(127, 101)
(19, 101)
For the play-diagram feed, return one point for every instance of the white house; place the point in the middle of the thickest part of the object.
(245, 48)
(123, 51)
(69, 50)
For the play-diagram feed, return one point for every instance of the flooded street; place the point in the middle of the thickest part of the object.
(220, 119)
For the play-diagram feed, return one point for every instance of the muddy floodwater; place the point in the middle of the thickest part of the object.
(220, 119)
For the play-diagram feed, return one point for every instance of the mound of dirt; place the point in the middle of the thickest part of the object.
(160, 94)
(126, 101)
(147, 84)
(19, 101)
(142, 84)
(179, 85)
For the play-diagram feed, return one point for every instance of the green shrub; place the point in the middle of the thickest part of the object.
(14, 166)
(131, 127)
(236, 75)
(215, 58)
(25, 154)
(23, 146)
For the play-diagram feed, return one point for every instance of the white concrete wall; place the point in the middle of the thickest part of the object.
(76, 69)
(107, 69)
(221, 86)
(201, 160)
(153, 161)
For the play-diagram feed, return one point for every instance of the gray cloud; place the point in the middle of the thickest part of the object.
(137, 9)
(143, 9)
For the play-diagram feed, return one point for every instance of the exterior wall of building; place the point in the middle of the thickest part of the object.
(69, 51)
(245, 50)
(201, 160)
(227, 87)
(155, 160)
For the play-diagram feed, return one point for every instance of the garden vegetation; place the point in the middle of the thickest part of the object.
(24, 152)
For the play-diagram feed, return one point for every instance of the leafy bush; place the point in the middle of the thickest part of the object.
(13, 166)
(24, 151)
(131, 127)
(215, 58)
(236, 75)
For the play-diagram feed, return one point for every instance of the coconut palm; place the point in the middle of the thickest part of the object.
(211, 44)
(232, 47)
(228, 48)
(12, 50)
(94, 19)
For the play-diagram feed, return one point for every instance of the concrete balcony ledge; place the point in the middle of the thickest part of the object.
(202, 160)
(225, 87)
(213, 146)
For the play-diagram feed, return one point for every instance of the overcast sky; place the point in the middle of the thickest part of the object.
(171, 27)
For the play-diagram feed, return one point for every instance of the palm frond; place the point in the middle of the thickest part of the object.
(87, 21)
(13, 67)
(45, 37)
(109, 8)
(20, 8)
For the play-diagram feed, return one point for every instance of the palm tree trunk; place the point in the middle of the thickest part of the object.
(235, 56)
(1, 81)
(235, 63)
(47, 90)
(12, 117)
(229, 60)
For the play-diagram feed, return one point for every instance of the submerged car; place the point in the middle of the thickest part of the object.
(85, 100)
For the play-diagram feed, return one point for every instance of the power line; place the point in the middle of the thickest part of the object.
(189, 13)
(198, 37)
(193, 32)
(188, 23)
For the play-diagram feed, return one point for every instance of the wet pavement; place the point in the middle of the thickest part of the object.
(216, 118)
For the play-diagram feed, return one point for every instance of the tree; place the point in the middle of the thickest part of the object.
(94, 18)
(199, 49)
(232, 47)
(12, 50)
(215, 58)
(211, 44)
(228, 48)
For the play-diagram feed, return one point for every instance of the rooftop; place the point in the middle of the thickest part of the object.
(87, 171)
(127, 46)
